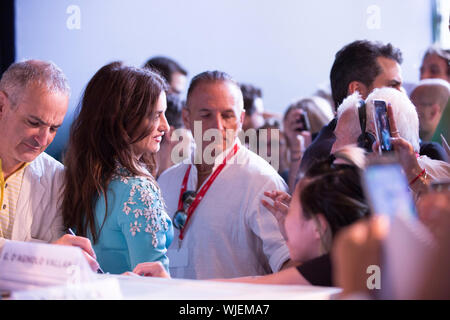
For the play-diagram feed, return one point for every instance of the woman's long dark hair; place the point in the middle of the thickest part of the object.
(334, 190)
(116, 102)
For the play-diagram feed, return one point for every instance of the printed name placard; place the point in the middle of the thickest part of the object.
(26, 265)
(105, 289)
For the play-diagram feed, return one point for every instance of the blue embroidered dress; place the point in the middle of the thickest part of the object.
(137, 228)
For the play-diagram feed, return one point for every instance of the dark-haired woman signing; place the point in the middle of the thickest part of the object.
(110, 194)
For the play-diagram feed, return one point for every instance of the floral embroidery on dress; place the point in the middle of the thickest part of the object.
(135, 228)
(149, 196)
(137, 213)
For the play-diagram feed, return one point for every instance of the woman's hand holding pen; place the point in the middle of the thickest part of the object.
(84, 244)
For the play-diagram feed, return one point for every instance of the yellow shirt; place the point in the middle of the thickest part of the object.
(10, 189)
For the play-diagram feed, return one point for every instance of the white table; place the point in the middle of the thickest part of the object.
(147, 288)
(182, 289)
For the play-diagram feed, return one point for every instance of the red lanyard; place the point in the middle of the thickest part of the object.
(183, 188)
(202, 191)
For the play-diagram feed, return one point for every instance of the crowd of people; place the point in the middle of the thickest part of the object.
(213, 186)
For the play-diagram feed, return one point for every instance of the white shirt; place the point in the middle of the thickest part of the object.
(230, 234)
(38, 216)
(436, 169)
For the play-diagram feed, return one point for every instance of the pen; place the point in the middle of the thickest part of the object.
(99, 270)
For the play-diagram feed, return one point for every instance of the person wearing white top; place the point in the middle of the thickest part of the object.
(34, 97)
(229, 233)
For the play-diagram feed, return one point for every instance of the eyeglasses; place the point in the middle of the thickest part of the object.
(180, 217)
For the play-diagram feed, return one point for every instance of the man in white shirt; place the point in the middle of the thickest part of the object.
(34, 97)
(228, 232)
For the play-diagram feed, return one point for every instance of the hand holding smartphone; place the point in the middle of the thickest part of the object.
(382, 127)
(302, 122)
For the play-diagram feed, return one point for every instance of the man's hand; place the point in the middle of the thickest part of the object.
(84, 244)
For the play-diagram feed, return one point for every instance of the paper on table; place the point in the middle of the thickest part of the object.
(26, 265)
(106, 289)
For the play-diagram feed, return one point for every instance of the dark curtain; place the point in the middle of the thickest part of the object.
(7, 35)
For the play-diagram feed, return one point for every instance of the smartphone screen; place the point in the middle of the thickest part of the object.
(302, 122)
(387, 190)
(382, 125)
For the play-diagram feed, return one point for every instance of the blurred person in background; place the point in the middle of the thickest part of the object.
(253, 106)
(176, 144)
(302, 122)
(435, 64)
(324, 92)
(271, 144)
(430, 97)
(174, 74)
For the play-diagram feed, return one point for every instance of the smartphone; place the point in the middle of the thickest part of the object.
(408, 242)
(386, 188)
(302, 122)
(383, 130)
